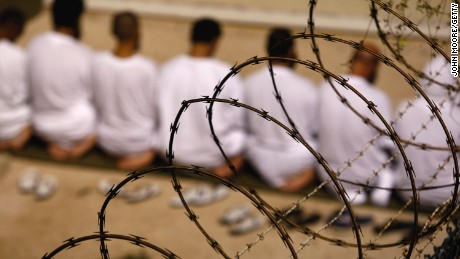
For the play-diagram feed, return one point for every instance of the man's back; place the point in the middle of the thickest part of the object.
(299, 97)
(124, 94)
(185, 78)
(344, 136)
(59, 74)
(13, 90)
(280, 159)
(343, 133)
(59, 68)
(426, 162)
(419, 125)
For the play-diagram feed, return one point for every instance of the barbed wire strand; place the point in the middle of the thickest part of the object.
(274, 215)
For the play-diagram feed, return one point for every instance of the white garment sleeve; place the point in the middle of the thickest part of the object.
(228, 120)
(153, 93)
(313, 125)
(384, 107)
(19, 92)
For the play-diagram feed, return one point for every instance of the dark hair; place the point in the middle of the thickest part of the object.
(12, 16)
(205, 30)
(125, 25)
(279, 44)
(67, 13)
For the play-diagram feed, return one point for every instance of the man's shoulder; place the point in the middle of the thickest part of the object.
(185, 62)
(101, 58)
(220, 64)
(10, 49)
(101, 54)
(173, 62)
(145, 61)
(292, 76)
(51, 40)
(45, 39)
(380, 95)
(39, 40)
(259, 73)
(302, 80)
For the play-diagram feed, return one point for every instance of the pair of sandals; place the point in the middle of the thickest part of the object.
(201, 195)
(41, 186)
(241, 219)
(300, 218)
(344, 220)
(132, 196)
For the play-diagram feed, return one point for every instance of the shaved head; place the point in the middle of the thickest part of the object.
(278, 43)
(358, 53)
(66, 13)
(11, 23)
(364, 63)
(205, 30)
(125, 26)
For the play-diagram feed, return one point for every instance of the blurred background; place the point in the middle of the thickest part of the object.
(29, 229)
(165, 26)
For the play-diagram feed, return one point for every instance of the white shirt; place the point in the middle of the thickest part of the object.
(426, 162)
(270, 149)
(184, 78)
(59, 70)
(124, 96)
(343, 134)
(14, 110)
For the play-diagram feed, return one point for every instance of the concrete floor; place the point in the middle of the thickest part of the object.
(31, 228)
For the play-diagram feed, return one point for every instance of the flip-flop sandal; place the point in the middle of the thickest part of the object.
(191, 195)
(407, 236)
(297, 211)
(344, 221)
(235, 214)
(211, 195)
(308, 219)
(395, 226)
(247, 225)
(292, 216)
(202, 195)
(143, 193)
(220, 192)
(298, 217)
(28, 180)
(46, 187)
(105, 185)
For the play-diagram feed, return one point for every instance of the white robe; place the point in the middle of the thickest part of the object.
(426, 162)
(343, 134)
(14, 108)
(275, 154)
(124, 96)
(59, 70)
(184, 78)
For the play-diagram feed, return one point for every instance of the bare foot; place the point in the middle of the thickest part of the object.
(297, 182)
(58, 153)
(19, 141)
(3, 145)
(136, 162)
(82, 147)
(225, 171)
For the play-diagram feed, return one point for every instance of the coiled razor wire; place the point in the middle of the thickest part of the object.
(275, 216)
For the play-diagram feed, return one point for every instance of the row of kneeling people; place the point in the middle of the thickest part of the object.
(123, 102)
